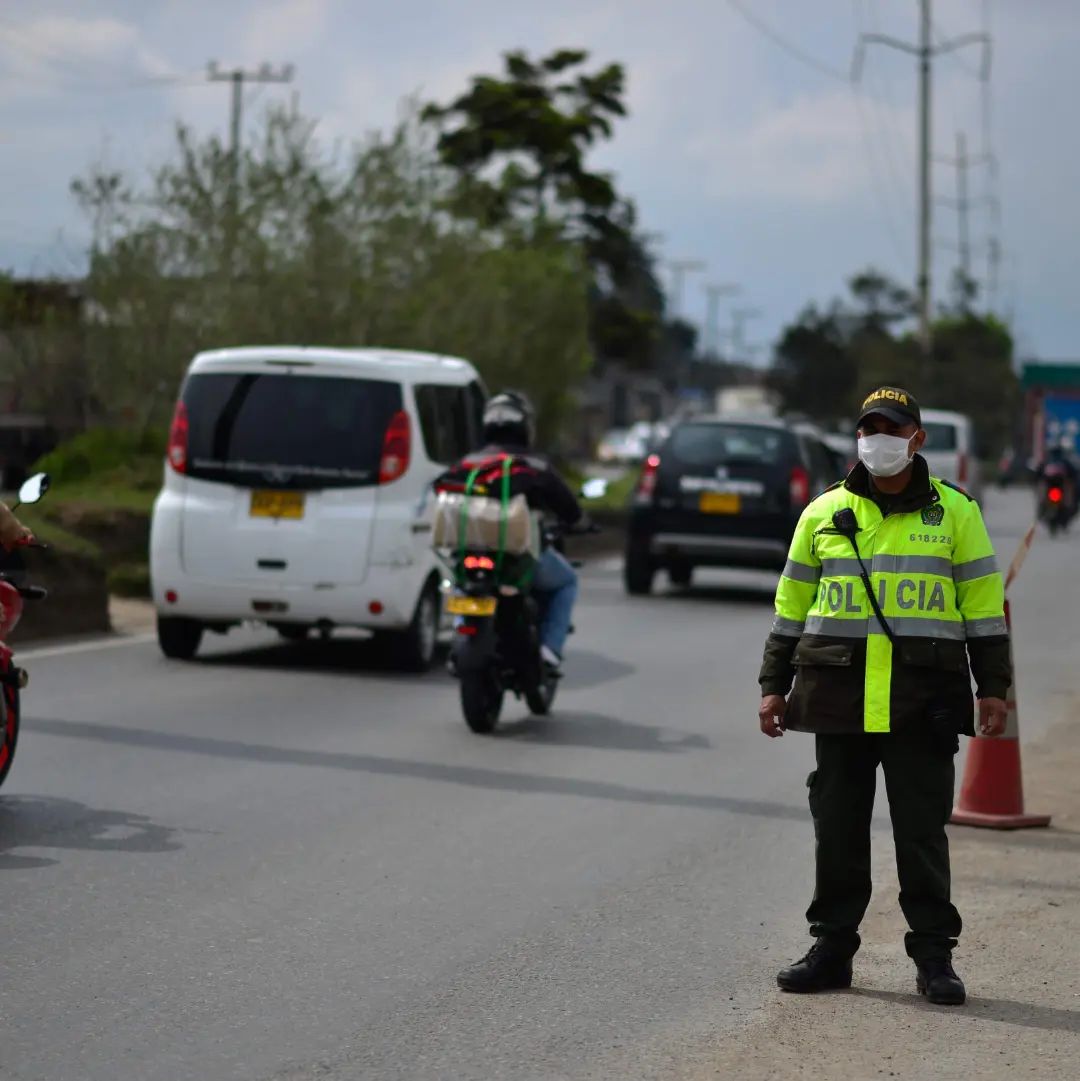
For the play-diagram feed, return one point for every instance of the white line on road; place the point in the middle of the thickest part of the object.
(85, 647)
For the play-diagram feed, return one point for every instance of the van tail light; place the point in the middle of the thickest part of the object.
(646, 487)
(177, 452)
(799, 486)
(962, 473)
(397, 448)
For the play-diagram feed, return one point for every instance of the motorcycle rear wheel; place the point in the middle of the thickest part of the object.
(541, 698)
(481, 701)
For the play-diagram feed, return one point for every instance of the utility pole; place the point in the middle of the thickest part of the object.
(679, 269)
(963, 203)
(236, 77)
(925, 52)
(739, 316)
(713, 293)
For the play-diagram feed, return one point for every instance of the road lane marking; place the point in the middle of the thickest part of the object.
(85, 647)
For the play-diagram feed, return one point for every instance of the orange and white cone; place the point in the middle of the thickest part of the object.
(992, 791)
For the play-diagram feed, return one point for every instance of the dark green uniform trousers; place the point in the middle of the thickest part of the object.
(919, 775)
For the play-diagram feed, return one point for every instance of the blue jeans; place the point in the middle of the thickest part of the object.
(556, 586)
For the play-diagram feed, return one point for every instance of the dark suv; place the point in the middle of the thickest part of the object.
(724, 492)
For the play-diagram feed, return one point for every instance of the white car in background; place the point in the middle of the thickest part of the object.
(296, 484)
(950, 449)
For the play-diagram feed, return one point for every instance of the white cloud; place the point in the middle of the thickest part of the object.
(807, 151)
(286, 27)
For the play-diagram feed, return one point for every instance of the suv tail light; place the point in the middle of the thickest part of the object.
(397, 448)
(962, 472)
(646, 487)
(176, 454)
(799, 486)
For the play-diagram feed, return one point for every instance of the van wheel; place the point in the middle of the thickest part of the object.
(179, 638)
(413, 650)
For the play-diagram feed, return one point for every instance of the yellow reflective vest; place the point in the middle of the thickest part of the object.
(932, 569)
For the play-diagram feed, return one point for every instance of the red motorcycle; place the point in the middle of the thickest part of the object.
(13, 592)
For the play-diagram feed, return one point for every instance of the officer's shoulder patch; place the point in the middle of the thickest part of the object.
(933, 514)
(957, 488)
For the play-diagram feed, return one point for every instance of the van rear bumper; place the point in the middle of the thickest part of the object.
(347, 606)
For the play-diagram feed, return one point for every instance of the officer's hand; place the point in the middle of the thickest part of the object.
(993, 713)
(771, 715)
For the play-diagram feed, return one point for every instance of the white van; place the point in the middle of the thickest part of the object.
(296, 484)
(950, 449)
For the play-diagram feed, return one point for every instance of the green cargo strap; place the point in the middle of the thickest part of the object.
(503, 523)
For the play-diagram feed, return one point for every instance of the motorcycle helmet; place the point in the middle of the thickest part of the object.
(509, 420)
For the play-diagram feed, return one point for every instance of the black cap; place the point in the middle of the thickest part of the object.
(892, 402)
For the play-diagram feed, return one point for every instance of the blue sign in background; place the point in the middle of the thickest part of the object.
(1062, 424)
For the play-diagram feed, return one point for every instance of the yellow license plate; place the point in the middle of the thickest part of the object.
(471, 606)
(720, 503)
(277, 504)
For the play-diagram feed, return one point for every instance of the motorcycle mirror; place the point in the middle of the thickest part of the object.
(33, 489)
(594, 488)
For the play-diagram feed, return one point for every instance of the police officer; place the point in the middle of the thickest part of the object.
(891, 590)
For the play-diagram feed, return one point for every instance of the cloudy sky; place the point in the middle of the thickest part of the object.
(765, 165)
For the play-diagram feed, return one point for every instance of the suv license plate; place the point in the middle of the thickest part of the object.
(720, 503)
(277, 504)
(471, 606)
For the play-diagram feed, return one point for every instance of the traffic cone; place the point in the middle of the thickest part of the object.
(992, 791)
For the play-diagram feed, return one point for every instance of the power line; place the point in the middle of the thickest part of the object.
(788, 46)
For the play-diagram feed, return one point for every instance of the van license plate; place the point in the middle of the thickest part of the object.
(720, 503)
(471, 606)
(277, 504)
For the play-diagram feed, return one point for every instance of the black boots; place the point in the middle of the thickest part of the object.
(824, 968)
(941, 985)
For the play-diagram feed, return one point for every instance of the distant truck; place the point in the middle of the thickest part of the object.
(747, 401)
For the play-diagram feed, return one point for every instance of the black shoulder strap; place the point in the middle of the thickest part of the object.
(956, 488)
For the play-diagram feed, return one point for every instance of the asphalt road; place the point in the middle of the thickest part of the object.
(280, 862)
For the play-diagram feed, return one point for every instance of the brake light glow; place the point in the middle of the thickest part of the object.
(177, 451)
(799, 486)
(467, 629)
(397, 448)
(1055, 495)
(479, 563)
(646, 488)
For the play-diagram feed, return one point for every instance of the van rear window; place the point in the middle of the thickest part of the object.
(939, 436)
(287, 431)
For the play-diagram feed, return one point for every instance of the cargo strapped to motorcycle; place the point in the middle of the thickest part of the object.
(504, 500)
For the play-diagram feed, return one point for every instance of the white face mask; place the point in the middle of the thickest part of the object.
(885, 455)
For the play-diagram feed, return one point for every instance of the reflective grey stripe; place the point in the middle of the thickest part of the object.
(884, 564)
(801, 572)
(835, 568)
(789, 628)
(975, 568)
(914, 627)
(986, 628)
(836, 628)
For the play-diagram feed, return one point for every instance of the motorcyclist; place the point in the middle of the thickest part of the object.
(1059, 462)
(509, 429)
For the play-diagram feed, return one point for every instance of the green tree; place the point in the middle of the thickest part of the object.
(350, 249)
(518, 145)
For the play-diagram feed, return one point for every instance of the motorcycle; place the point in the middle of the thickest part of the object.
(13, 593)
(497, 635)
(1055, 508)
